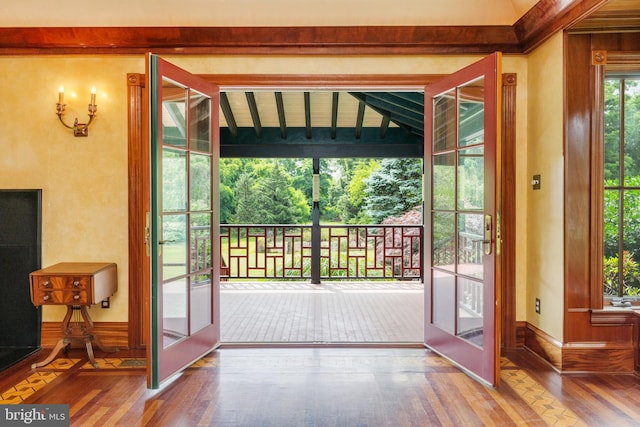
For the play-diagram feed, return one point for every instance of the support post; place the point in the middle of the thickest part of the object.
(315, 229)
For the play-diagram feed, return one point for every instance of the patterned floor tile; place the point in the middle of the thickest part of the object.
(116, 363)
(540, 400)
(21, 391)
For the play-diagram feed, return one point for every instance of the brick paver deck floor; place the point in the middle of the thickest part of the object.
(333, 312)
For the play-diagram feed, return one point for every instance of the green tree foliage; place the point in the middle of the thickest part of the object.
(351, 200)
(630, 271)
(394, 188)
(263, 194)
(275, 204)
(246, 201)
(279, 191)
(631, 219)
(612, 130)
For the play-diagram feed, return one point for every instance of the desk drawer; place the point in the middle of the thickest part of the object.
(61, 297)
(63, 282)
(63, 290)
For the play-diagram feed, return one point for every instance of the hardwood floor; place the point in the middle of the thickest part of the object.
(322, 386)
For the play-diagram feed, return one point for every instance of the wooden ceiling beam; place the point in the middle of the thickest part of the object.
(307, 114)
(384, 126)
(550, 16)
(281, 115)
(255, 116)
(228, 114)
(360, 118)
(334, 114)
(546, 18)
(259, 40)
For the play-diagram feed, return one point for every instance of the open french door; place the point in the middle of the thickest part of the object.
(184, 219)
(462, 218)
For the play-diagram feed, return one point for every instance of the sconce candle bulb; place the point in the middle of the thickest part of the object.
(79, 129)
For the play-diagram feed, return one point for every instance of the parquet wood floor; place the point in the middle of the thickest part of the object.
(322, 386)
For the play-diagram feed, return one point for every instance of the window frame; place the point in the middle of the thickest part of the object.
(604, 62)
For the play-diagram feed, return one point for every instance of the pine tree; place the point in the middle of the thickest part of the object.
(274, 198)
(247, 203)
(393, 189)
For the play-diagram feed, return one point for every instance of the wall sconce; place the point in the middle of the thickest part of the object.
(79, 129)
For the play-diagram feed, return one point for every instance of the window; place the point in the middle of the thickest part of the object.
(621, 186)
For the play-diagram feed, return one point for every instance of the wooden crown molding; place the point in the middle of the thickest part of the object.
(550, 16)
(259, 40)
(544, 19)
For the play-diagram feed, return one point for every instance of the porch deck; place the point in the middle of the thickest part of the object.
(332, 312)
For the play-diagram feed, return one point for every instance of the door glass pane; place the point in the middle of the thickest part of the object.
(444, 300)
(174, 311)
(444, 232)
(444, 181)
(471, 178)
(174, 180)
(470, 246)
(201, 301)
(200, 122)
(200, 185)
(174, 123)
(470, 310)
(174, 246)
(471, 113)
(444, 122)
(201, 243)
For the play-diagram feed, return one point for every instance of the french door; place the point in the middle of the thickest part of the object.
(184, 219)
(462, 219)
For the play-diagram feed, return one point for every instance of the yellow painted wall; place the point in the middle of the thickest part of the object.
(544, 210)
(84, 180)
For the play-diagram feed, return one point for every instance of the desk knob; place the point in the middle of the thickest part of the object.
(46, 283)
(76, 283)
(76, 297)
(46, 297)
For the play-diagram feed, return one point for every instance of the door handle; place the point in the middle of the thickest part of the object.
(488, 227)
(488, 224)
(161, 243)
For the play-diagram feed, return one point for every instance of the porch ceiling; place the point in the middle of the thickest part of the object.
(254, 119)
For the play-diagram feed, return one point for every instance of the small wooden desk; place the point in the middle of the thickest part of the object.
(78, 285)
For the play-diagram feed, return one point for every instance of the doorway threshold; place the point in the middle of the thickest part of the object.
(228, 345)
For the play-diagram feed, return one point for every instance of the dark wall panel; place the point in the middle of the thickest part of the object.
(20, 254)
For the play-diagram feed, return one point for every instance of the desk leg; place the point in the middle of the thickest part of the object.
(86, 337)
(88, 332)
(92, 359)
(62, 343)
